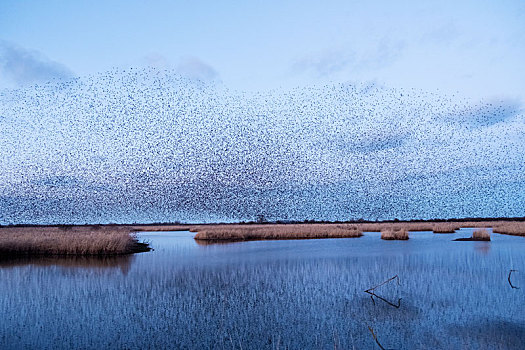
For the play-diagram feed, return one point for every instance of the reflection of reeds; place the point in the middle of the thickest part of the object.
(481, 235)
(122, 262)
(69, 240)
(394, 234)
(269, 232)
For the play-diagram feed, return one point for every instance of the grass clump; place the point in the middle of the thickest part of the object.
(445, 227)
(396, 233)
(481, 234)
(73, 241)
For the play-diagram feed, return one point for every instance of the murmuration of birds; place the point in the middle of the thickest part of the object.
(147, 145)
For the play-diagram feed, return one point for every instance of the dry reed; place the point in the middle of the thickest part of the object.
(394, 234)
(481, 235)
(515, 228)
(69, 240)
(160, 228)
(445, 227)
(275, 232)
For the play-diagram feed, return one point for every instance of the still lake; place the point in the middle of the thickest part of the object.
(297, 294)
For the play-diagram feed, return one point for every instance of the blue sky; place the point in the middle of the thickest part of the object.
(198, 111)
(473, 47)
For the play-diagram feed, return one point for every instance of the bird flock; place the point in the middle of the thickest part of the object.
(148, 145)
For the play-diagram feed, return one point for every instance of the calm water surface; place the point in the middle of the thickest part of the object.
(272, 295)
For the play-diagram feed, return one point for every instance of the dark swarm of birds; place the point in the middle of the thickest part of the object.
(147, 145)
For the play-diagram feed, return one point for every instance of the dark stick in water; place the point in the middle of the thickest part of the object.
(373, 294)
(375, 337)
(510, 273)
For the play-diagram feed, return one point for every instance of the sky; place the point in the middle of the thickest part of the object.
(135, 111)
(472, 47)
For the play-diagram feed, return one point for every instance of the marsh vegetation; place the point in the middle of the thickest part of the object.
(275, 232)
(389, 230)
(397, 233)
(69, 240)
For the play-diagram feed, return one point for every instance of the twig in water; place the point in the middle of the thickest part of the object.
(375, 337)
(373, 294)
(511, 285)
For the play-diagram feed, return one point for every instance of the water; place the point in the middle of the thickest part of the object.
(272, 295)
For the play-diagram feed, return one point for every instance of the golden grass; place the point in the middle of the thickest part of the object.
(445, 227)
(394, 233)
(481, 235)
(69, 240)
(275, 232)
(515, 228)
(160, 228)
(225, 232)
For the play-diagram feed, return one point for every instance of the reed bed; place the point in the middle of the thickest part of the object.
(160, 228)
(409, 226)
(481, 234)
(394, 233)
(515, 228)
(445, 227)
(276, 232)
(237, 232)
(69, 240)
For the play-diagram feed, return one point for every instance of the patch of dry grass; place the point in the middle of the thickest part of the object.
(394, 233)
(239, 232)
(69, 240)
(481, 234)
(275, 232)
(515, 228)
(160, 228)
(445, 227)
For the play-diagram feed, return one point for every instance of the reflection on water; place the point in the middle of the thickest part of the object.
(123, 262)
(273, 294)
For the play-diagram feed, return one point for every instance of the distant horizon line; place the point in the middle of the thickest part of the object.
(358, 221)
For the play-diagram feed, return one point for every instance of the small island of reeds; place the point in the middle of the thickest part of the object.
(65, 240)
(275, 232)
(478, 235)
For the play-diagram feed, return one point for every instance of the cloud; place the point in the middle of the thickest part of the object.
(332, 62)
(194, 68)
(156, 60)
(20, 66)
(325, 63)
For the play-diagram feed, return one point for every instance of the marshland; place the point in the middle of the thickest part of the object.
(69, 240)
(268, 292)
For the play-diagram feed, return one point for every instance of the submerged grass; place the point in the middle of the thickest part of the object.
(278, 231)
(69, 240)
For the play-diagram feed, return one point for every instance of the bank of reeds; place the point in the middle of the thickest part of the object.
(275, 232)
(515, 228)
(160, 228)
(445, 227)
(69, 240)
(394, 233)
